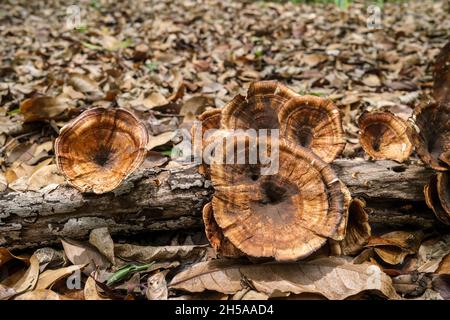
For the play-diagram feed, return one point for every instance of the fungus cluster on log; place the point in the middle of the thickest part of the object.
(292, 212)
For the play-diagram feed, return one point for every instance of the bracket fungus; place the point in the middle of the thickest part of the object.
(208, 120)
(429, 131)
(441, 89)
(259, 110)
(97, 150)
(437, 196)
(313, 123)
(285, 215)
(220, 244)
(384, 136)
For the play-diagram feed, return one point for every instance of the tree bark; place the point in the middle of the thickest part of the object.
(170, 199)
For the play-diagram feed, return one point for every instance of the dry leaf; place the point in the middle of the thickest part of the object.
(49, 277)
(394, 246)
(40, 294)
(157, 287)
(29, 279)
(84, 254)
(101, 239)
(45, 176)
(334, 278)
(431, 253)
(43, 108)
(161, 139)
(84, 84)
(372, 80)
(147, 254)
(90, 290)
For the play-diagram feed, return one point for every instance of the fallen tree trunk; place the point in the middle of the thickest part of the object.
(170, 199)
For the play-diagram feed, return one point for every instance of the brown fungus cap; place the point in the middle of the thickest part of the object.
(437, 196)
(429, 131)
(100, 148)
(259, 110)
(383, 136)
(441, 90)
(208, 120)
(221, 245)
(313, 123)
(287, 215)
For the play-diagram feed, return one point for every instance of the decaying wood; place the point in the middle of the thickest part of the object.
(170, 199)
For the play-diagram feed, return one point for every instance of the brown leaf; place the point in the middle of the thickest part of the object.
(44, 108)
(147, 254)
(372, 80)
(29, 279)
(40, 294)
(157, 287)
(394, 246)
(45, 176)
(84, 84)
(332, 277)
(161, 139)
(49, 277)
(84, 254)
(90, 290)
(431, 253)
(101, 239)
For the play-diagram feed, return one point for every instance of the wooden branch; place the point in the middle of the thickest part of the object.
(170, 199)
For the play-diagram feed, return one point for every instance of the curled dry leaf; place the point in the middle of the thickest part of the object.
(90, 290)
(333, 278)
(49, 257)
(393, 247)
(157, 287)
(44, 108)
(29, 279)
(161, 139)
(431, 253)
(101, 239)
(383, 136)
(84, 254)
(82, 83)
(49, 277)
(100, 148)
(147, 254)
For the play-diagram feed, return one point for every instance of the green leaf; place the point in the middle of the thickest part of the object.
(167, 153)
(13, 112)
(152, 66)
(259, 53)
(126, 271)
(91, 46)
(126, 43)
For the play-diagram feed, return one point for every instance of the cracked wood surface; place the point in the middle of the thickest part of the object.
(170, 199)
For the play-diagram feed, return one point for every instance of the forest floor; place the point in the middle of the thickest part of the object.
(170, 60)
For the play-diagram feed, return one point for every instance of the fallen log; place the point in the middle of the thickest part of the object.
(171, 199)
